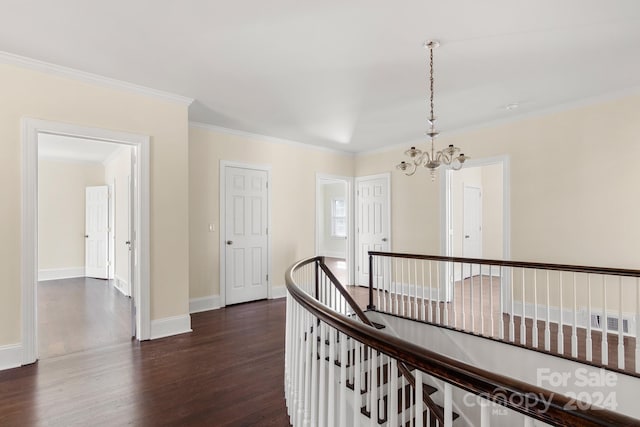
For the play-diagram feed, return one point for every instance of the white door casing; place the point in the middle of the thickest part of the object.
(96, 248)
(245, 234)
(472, 222)
(31, 128)
(373, 222)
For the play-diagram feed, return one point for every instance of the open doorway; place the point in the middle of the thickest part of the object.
(84, 258)
(334, 225)
(139, 244)
(476, 212)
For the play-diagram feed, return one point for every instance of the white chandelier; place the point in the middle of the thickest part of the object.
(432, 159)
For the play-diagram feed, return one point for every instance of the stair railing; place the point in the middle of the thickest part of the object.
(555, 308)
(339, 369)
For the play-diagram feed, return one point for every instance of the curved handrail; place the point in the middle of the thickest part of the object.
(514, 394)
(435, 409)
(516, 264)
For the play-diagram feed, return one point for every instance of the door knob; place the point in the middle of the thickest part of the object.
(86, 236)
(384, 239)
(466, 236)
(229, 242)
(127, 242)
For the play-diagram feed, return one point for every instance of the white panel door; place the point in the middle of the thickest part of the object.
(96, 231)
(246, 256)
(372, 223)
(472, 222)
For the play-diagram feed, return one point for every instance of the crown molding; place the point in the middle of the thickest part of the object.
(265, 138)
(58, 70)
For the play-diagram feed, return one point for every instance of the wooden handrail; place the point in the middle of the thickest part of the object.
(530, 400)
(517, 264)
(433, 407)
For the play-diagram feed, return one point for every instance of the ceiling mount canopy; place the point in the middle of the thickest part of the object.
(431, 159)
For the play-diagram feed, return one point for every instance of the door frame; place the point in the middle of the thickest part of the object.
(223, 225)
(446, 244)
(349, 192)
(386, 176)
(31, 128)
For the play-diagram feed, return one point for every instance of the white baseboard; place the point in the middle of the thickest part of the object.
(169, 326)
(582, 315)
(60, 273)
(10, 356)
(121, 285)
(211, 302)
(278, 292)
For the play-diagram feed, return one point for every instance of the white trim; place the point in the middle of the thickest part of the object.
(122, 286)
(29, 252)
(83, 76)
(60, 273)
(10, 356)
(266, 138)
(350, 249)
(170, 326)
(211, 302)
(278, 292)
(223, 227)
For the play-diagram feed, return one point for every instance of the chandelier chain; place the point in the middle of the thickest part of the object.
(431, 81)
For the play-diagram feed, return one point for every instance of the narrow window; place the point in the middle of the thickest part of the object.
(338, 218)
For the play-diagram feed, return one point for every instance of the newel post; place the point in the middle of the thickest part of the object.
(371, 306)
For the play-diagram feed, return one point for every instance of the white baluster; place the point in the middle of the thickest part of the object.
(322, 395)
(374, 384)
(419, 401)
(547, 329)
(620, 326)
(481, 304)
(589, 341)
(451, 283)
(314, 373)
(403, 384)
(523, 319)
(471, 304)
(305, 377)
(357, 373)
(512, 327)
(395, 285)
(430, 308)
(604, 324)
(574, 334)
(485, 419)
(501, 305)
(416, 313)
(448, 405)
(491, 300)
(402, 285)
(343, 380)
(392, 410)
(462, 296)
(561, 321)
(438, 283)
(424, 318)
(331, 394)
(534, 328)
(528, 422)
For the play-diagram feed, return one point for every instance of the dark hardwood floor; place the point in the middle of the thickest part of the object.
(79, 314)
(228, 372)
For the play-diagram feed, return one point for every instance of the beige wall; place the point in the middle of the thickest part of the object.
(61, 211)
(574, 189)
(293, 200)
(117, 172)
(27, 93)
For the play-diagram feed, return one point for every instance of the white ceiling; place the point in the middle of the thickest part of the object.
(76, 149)
(347, 75)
